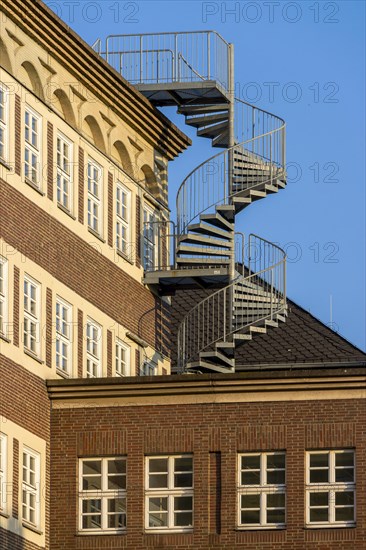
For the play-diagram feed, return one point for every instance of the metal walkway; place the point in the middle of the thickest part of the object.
(195, 72)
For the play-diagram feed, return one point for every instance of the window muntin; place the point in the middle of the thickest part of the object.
(31, 487)
(95, 196)
(102, 494)
(3, 295)
(262, 490)
(64, 172)
(31, 315)
(32, 146)
(63, 336)
(169, 493)
(123, 202)
(122, 359)
(3, 471)
(4, 122)
(93, 349)
(149, 239)
(330, 488)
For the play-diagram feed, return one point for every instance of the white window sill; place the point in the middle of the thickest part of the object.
(5, 338)
(95, 234)
(168, 531)
(62, 373)
(124, 256)
(33, 356)
(5, 164)
(101, 533)
(281, 527)
(32, 527)
(66, 211)
(34, 186)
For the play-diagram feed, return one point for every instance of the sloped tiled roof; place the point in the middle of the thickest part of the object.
(302, 339)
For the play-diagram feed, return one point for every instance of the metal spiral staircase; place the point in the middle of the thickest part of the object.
(194, 72)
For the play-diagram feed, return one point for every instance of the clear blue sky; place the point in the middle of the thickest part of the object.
(313, 53)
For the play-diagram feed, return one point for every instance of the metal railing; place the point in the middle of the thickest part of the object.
(161, 58)
(217, 317)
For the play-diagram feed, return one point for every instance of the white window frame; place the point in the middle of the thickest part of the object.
(123, 219)
(64, 169)
(170, 493)
(122, 358)
(64, 336)
(4, 122)
(3, 472)
(93, 349)
(332, 488)
(262, 489)
(103, 495)
(149, 238)
(95, 197)
(31, 482)
(34, 175)
(32, 317)
(4, 295)
(148, 368)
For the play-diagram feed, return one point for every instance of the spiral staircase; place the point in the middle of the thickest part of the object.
(246, 282)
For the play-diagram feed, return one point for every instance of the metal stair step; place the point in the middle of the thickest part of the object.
(222, 140)
(260, 330)
(208, 229)
(213, 130)
(198, 365)
(203, 261)
(227, 211)
(257, 194)
(200, 251)
(216, 356)
(205, 119)
(253, 298)
(202, 109)
(216, 219)
(199, 239)
(227, 347)
(240, 336)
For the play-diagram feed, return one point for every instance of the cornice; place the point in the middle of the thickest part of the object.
(62, 43)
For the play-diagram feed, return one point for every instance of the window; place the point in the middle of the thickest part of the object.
(330, 488)
(149, 241)
(64, 172)
(122, 359)
(122, 219)
(169, 493)
(4, 122)
(93, 349)
(3, 295)
(32, 149)
(148, 368)
(31, 315)
(95, 193)
(3, 465)
(262, 490)
(102, 496)
(31, 487)
(63, 336)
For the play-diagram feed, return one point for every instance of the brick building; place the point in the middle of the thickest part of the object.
(257, 439)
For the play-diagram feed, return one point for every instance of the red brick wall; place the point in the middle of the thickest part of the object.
(214, 433)
(49, 160)
(72, 261)
(81, 174)
(17, 135)
(11, 541)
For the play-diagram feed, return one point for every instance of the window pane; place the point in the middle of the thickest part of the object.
(250, 501)
(183, 503)
(92, 522)
(158, 515)
(158, 481)
(117, 521)
(158, 465)
(183, 480)
(319, 476)
(344, 498)
(344, 514)
(183, 464)
(276, 461)
(250, 516)
(318, 514)
(276, 500)
(117, 466)
(319, 499)
(250, 462)
(92, 483)
(344, 475)
(319, 460)
(92, 467)
(276, 477)
(344, 459)
(276, 516)
(117, 482)
(184, 519)
(92, 506)
(250, 478)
